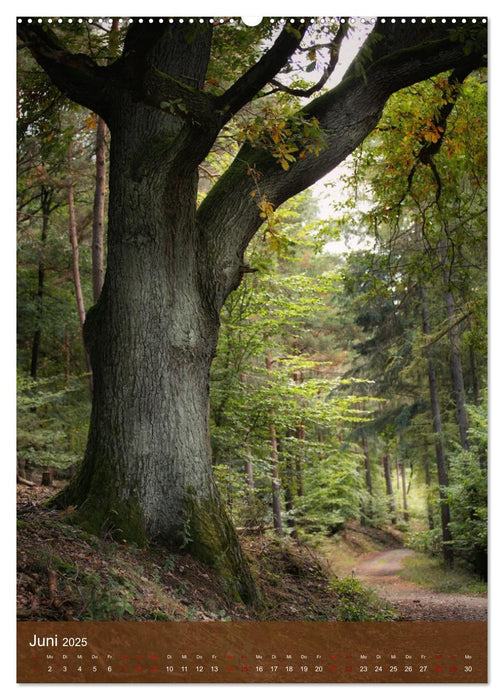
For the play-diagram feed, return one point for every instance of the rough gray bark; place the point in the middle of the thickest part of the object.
(151, 339)
(442, 470)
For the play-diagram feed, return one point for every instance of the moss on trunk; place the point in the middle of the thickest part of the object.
(99, 508)
(207, 532)
(212, 539)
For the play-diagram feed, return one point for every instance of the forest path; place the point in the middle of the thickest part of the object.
(381, 570)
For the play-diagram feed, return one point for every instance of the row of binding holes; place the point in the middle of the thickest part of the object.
(201, 20)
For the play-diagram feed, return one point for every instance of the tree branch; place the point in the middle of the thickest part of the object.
(346, 114)
(76, 75)
(173, 96)
(263, 71)
(334, 50)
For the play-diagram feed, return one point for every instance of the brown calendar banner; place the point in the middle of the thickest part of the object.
(252, 349)
(252, 652)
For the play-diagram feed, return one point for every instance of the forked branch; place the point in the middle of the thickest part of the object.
(75, 74)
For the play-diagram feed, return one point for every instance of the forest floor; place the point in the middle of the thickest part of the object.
(67, 574)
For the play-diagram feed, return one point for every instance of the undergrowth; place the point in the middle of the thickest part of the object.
(430, 572)
(358, 603)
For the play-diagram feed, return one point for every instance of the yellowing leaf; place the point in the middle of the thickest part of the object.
(91, 121)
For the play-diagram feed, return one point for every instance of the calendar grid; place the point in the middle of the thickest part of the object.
(252, 652)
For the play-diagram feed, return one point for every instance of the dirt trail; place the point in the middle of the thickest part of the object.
(381, 571)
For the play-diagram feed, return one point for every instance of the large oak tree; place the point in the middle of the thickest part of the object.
(152, 334)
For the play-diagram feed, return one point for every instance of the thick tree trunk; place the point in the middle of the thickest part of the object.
(151, 339)
(438, 438)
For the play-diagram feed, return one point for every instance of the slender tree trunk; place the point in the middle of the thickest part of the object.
(275, 475)
(430, 513)
(367, 462)
(72, 234)
(300, 435)
(404, 491)
(289, 491)
(249, 478)
(66, 349)
(367, 472)
(361, 503)
(438, 438)
(474, 375)
(98, 239)
(289, 506)
(275, 482)
(45, 196)
(97, 246)
(388, 487)
(455, 354)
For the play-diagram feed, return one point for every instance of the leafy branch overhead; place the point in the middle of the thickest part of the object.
(391, 57)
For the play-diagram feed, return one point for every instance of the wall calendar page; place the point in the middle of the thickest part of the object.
(252, 350)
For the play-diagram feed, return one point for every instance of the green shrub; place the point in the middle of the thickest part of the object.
(356, 603)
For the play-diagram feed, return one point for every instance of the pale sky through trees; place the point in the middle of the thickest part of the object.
(329, 189)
